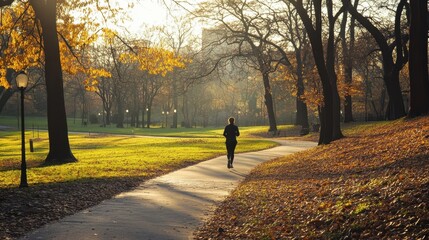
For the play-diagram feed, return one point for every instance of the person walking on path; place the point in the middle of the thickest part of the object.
(231, 133)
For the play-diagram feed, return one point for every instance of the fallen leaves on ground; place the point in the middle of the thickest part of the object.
(25, 209)
(372, 185)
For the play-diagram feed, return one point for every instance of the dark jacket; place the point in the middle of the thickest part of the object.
(231, 133)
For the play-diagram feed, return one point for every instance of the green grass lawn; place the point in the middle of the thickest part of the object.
(39, 124)
(105, 156)
(128, 155)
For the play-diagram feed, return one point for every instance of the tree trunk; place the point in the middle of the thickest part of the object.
(347, 62)
(315, 36)
(301, 106)
(148, 119)
(269, 103)
(149, 112)
(390, 71)
(5, 94)
(135, 111)
(185, 111)
(175, 103)
(418, 61)
(108, 116)
(143, 115)
(120, 113)
(59, 147)
(395, 106)
(330, 66)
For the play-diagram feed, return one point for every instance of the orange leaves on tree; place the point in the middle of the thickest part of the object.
(355, 88)
(156, 61)
(23, 49)
(92, 75)
(20, 48)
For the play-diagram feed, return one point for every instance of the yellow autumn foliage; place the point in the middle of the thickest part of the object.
(22, 46)
(154, 60)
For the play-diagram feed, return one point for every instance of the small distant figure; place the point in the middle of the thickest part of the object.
(231, 133)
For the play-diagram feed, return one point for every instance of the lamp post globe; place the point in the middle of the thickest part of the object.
(22, 82)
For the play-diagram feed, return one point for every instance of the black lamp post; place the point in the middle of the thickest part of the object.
(162, 124)
(21, 82)
(126, 117)
(174, 118)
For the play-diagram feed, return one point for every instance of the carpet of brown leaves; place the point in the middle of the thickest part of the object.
(373, 185)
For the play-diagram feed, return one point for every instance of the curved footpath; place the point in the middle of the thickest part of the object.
(168, 207)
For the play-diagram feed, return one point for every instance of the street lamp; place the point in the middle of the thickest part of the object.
(21, 82)
(174, 118)
(162, 124)
(166, 120)
(126, 116)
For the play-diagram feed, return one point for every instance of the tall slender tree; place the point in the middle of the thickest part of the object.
(347, 51)
(313, 26)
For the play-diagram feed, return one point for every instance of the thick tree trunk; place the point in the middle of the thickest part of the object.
(108, 116)
(315, 36)
(418, 61)
(269, 103)
(330, 66)
(59, 147)
(395, 106)
(326, 116)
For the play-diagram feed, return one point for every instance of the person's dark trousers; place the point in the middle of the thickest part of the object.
(230, 148)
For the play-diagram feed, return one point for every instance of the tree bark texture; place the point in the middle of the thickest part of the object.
(330, 65)
(315, 36)
(269, 103)
(418, 59)
(59, 147)
(301, 106)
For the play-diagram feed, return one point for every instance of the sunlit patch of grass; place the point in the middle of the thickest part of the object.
(357, 128)
(38, 124)
(111, 156)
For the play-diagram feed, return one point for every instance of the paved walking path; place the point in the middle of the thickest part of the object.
(167, 207)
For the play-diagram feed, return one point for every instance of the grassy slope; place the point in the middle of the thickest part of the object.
(372, 184)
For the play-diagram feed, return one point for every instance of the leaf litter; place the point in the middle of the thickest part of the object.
(373, 184)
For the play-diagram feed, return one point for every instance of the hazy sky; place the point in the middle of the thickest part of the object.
(144, 13)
